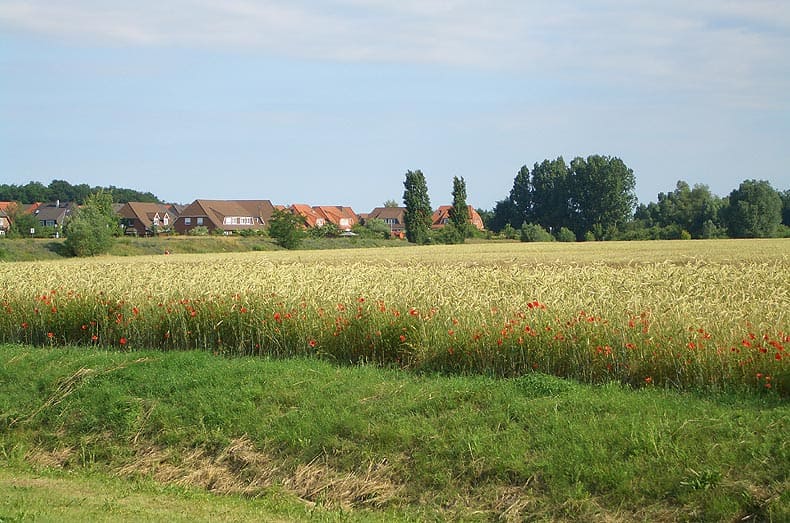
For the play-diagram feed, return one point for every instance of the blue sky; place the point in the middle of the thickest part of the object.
(331, 102)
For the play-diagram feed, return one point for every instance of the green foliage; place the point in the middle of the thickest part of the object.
(459, 213)
(695, 210)
(391, 204)
(418, 213)
(503, 216)
(531, 232)
(65, 192)
(287, 229)
(535, 446)
(91, 229)
(520, 198)
(755, 210)
(566, 235)
(510, 232)
(200, 230)
(550, 194)
(785, 195)
(601, 193)
(22, 223)
(328, 230)
(373, 228)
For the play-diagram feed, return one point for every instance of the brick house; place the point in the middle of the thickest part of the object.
(144, 219)
(441, 217)
(343, 217)
(392, 216)
(229, 216)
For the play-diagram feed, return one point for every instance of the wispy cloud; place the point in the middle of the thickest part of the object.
(734, 50)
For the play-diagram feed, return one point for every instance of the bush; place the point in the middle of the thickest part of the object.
(91, 229)
(531, 232)
(565, 235)
(589, 236)
(287, 229)
(200, 230)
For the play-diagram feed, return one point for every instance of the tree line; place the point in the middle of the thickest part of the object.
(594, 198)
(62, 190)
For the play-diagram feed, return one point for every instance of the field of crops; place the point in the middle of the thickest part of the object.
(710, 315)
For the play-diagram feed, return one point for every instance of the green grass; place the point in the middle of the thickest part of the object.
(54, 495)
(391, 444)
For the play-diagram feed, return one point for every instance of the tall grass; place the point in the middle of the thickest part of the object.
(439, 447)
(697, 315)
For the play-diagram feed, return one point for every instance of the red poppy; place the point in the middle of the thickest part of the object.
(402, 338)
(50, 335)
(122, 341)
(24, 325)
(312, 343)
(94, 338)
(648, 380)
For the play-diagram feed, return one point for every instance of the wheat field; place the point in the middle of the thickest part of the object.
(709, 315)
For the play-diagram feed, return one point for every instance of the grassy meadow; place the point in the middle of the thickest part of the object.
(550, 382)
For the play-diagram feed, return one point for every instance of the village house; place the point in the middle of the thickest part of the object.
(343, 217)
(441, 217)
(5, 219)
(146, 219)
(228, 216)
(53, 214)
(392, 216)
(311, 218)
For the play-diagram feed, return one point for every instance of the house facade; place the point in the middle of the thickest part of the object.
(53, 214)
(392, 216)
(229, 216)
(311, 218)
(145, 219)
(5, 220)
(441, 217)
(344, 217)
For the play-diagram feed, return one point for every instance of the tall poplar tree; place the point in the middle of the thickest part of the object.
(459, 213)
(418, 213)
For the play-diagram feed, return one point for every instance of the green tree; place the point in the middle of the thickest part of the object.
(459, 213)
(521, 198)
(390, 204)
(21, 222)
(532, 232)
(287, 229)
(601, 195)
(91, 228)
(786, 208)
(550, 194)
(418, 213)
(502, 215)
(755, 210)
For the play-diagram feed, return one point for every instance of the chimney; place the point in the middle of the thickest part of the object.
(57, 204)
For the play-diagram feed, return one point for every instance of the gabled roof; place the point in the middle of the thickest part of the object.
(391, 213)
(311, 217)
(216, 211)
(145, 212)
(441, 217)
(56, 212)
(336, 213)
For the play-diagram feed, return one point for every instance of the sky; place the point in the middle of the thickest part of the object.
(330, 102)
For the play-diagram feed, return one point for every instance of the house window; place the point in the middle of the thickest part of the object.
(391, 221)
(187, 221)
(166, 221)
(156, 221)
(199, 221)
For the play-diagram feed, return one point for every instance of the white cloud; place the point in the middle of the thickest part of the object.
(730, 49)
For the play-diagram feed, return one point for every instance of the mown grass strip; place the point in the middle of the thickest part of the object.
(366, 438)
